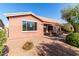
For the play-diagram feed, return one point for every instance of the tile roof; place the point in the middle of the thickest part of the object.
(45, 19)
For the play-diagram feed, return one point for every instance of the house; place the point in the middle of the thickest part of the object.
(1, 24)
(28, 25)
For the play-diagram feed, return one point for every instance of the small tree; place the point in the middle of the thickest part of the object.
(71, 15)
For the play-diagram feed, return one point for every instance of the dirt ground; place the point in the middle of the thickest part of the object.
(43, 46)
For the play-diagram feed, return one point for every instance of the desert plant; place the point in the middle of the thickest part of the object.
(67, 27)
(28, 46)
(73, 39)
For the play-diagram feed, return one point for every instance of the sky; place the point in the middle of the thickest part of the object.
(50, 10)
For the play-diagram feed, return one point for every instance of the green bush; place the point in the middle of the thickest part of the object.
(2, 40)
(73, 39)
(2, 37)
(28, 46)
(67, 27)
(76, 27)
(1, 50)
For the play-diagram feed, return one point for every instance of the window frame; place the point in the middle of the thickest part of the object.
(26, 26)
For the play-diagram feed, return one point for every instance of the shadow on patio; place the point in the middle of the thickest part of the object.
(55, 49)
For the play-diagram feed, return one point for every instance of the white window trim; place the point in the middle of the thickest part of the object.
(29, 20)
(28, 31)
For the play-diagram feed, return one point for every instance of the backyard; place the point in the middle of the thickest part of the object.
(36, 37)
(43, 46)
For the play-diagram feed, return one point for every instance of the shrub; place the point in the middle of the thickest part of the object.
(2, 40)
(1, 50)
(73, 39)
(67, 27)
(2, 37)
(28, 46)
(76, 27)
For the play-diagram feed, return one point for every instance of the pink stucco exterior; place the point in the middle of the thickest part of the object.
(15, 27)
(17, 37)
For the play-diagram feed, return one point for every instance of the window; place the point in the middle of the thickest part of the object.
(24, 26)
(29, 26)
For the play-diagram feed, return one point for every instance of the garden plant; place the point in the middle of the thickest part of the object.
(2, 40)
(71, 15)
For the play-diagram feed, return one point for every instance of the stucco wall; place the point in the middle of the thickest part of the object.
(15, 27)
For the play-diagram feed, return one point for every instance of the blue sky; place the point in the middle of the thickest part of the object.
(50, 10)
